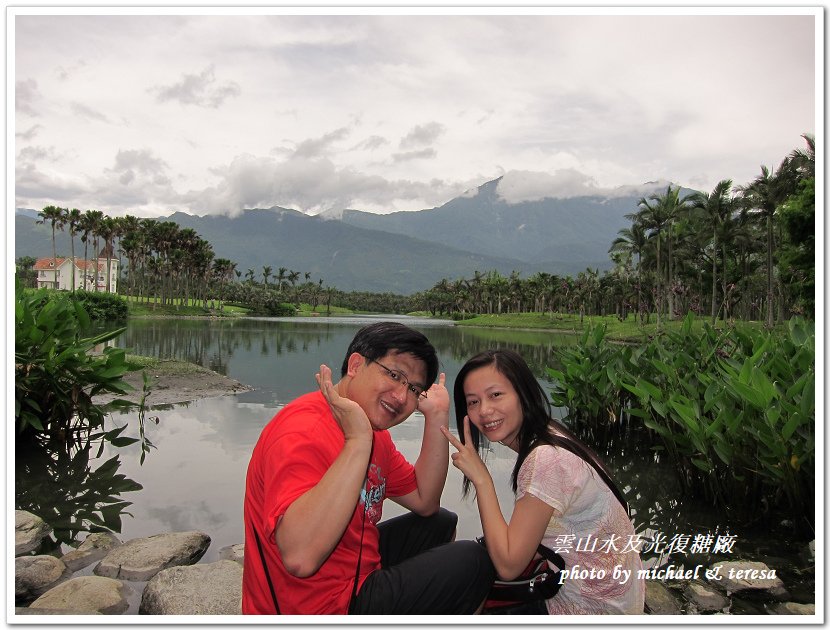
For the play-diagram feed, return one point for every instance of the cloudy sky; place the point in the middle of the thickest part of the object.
(148, 114)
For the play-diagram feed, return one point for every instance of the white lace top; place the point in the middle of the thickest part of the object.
(589, 529)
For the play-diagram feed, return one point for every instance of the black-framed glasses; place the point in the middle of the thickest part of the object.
(398, 377)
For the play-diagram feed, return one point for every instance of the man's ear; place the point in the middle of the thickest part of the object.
(355, 361)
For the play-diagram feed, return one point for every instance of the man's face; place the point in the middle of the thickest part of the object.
(386, 401)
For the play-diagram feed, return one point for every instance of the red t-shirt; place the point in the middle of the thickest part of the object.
(294, 451)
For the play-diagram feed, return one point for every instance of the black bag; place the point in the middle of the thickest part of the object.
(537, 582)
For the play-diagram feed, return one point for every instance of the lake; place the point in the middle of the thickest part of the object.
(194, 478)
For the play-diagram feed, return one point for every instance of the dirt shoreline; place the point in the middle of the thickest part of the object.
(175, 382)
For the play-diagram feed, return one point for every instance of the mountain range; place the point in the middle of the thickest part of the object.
(403, 252)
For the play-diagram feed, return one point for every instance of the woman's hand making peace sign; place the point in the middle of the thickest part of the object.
(467, 459)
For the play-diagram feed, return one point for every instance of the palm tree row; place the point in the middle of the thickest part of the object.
(90, 224)
(163, 259)
(714, 252)
(168, 262)
(727, 235)
(492, 293)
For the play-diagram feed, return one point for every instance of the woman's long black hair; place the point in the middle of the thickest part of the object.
(538, 426)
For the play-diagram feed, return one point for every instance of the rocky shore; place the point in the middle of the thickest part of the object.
(173, 382)
(162, 572)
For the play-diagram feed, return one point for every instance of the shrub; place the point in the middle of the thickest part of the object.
(733, 410)
(56, 372)
(102, 306)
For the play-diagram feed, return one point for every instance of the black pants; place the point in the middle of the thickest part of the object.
(422, 573)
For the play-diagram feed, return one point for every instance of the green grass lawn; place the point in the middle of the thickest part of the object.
(629, 329)
(139, 307)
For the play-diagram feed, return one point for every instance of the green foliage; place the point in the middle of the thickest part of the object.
(24, 270)
(57, 372)
(62, 486)
(102, 306)
(593, 395)
(733, 410)
(796, 254)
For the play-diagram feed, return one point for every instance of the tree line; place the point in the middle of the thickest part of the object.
(168, 264)
(737, 251)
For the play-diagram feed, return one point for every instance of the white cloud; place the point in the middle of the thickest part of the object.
(422, 135)
(212, 113)
(317, 146)
(25, 95)
(518, 186)
(406, 156)
(83, 111)
(310, 185)
(198, 89)
(29, 134)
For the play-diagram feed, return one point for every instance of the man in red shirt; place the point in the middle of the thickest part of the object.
(317, 480)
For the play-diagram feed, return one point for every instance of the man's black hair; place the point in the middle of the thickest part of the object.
(376, 340)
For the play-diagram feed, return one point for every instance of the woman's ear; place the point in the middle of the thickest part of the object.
(355, 361)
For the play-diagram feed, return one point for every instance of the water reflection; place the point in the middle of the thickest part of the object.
(72, 487)
(279, 356)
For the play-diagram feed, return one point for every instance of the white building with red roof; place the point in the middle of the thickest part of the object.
(90, 274)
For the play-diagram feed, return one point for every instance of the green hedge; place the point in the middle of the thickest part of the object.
(102, 306)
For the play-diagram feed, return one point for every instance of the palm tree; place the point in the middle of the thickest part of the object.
(73, 220)
(266, 273)
(56, 217)
(633, 241)
(281, 277)
(130, 242)
(165, 238)
(85, 227)
(658, 214)
(107, 231)
(675, 208)
(293, 276)
(223, 270)
(804, 161)
(652, 218)
(91, 226)
(718, 207)
(764, 195)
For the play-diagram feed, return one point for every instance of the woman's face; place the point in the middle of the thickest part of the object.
(493, 405)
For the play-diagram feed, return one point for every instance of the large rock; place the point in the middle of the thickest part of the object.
(202, 589)
(87, 594)
(793, 608)
(29, 531)
(34, 575)
(749, 579)
(233, 552)
(48, 611)
(660, 600)
(95, 547)
(705, 599)
(141, 558)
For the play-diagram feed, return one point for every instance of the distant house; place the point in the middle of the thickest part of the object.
(57, 273)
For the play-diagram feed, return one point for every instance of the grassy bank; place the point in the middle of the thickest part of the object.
(629, 329)
(139, 307)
